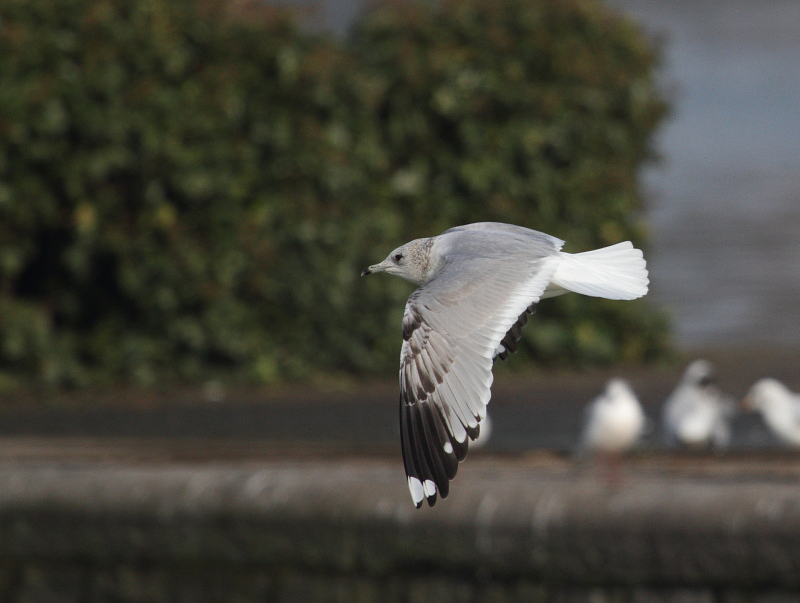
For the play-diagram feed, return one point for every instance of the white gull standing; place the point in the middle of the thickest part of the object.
(477, 284)
(614, 420)
(697, 414)
(779, 407)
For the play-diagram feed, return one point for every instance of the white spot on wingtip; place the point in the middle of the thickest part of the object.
(448, 448)
(416, 489)
(430, 488)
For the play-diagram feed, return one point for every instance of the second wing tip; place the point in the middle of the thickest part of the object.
(422, 491)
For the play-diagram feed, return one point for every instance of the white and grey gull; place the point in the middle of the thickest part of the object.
(615, 420)
(477, 285)
(697, 413)
(779, 406)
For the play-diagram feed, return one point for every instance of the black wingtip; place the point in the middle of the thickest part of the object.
(430, 453)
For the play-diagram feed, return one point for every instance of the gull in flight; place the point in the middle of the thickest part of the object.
(779, 407)
(477, 285)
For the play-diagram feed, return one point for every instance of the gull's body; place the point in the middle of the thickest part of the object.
(779, 407)
(477, 284)
(614, 420)
(697, 414)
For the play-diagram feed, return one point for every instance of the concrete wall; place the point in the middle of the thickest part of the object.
(345, 530)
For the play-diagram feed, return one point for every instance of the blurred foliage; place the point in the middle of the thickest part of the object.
(190, 188)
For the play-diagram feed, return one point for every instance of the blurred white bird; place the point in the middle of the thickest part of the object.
(614, 420)
(697, 414)
(779, 406)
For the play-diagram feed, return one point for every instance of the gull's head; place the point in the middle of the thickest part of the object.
(764, 393)
(620, 397)
(619, 390)
(699, 373)
(395, 263)
(409, 261)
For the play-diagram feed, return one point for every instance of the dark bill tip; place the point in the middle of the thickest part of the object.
(366, 271)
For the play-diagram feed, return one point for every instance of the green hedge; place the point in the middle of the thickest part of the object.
(189, 188)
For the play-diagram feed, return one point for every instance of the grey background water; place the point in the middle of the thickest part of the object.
(724, 203)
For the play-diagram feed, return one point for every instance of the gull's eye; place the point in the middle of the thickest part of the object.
(398, 257)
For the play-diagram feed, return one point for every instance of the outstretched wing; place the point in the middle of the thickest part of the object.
(453, 327)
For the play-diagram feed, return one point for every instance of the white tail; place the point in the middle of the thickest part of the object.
(615, 272)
